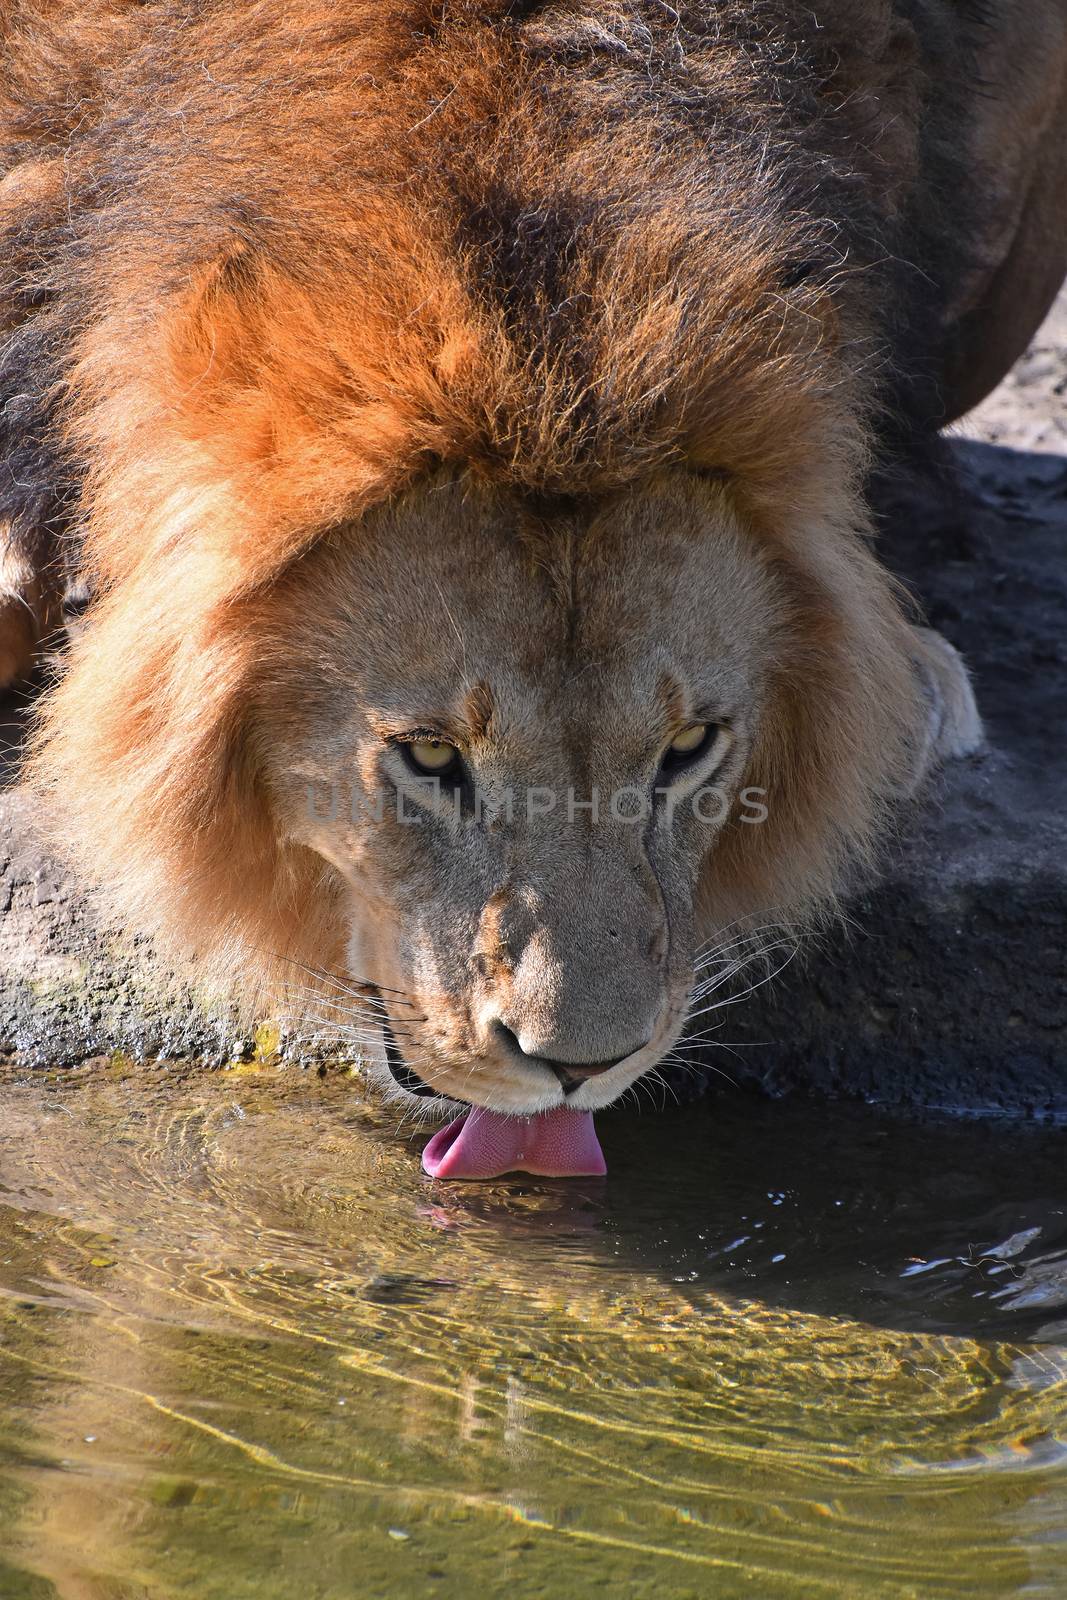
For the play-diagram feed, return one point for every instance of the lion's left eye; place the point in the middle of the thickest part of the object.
(432, 758)
(692, 740)
(687, 747)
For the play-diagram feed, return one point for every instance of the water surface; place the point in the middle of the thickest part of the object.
(247, 1349)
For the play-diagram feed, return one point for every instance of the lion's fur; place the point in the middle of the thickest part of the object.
(270, 266)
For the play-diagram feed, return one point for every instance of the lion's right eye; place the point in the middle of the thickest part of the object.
(431, 758)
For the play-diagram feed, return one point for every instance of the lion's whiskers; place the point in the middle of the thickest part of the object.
(335, 982)
(734, 999)
(357, 1011)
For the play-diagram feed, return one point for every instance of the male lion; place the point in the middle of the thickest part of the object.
(461, 413)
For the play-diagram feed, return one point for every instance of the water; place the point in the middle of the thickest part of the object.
(248, 1350)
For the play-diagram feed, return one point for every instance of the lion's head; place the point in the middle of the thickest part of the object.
(502, 768)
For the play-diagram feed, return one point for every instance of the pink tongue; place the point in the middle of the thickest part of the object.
(486, 1144)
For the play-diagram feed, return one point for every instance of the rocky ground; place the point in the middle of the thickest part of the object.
(949, 987)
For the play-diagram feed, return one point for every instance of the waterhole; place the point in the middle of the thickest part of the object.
(248, 1350)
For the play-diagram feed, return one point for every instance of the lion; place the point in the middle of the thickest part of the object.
(463, 416)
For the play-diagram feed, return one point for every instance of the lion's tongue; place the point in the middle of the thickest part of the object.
(486, 1144)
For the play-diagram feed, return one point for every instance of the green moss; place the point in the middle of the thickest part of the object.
(119, 1064)
(261, 1053)
(267, 1040)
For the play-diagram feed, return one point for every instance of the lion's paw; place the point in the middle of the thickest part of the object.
(29, 605)
(953, 726)
(18, 640)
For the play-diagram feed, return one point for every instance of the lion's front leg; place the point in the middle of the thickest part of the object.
(31, 593)
(953, 726)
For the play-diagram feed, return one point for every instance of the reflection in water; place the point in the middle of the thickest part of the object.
(247, 1349)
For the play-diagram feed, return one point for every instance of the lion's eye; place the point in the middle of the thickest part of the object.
(689, 742)
(687, 747)
(432, 758)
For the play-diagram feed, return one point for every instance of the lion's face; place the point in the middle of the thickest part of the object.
(517, 745)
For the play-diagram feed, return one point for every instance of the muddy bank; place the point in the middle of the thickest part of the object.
(950, 986)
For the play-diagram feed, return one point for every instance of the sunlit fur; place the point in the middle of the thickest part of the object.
(292, 284)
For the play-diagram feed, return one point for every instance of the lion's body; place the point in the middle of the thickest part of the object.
(267, 268)
(384, 158)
